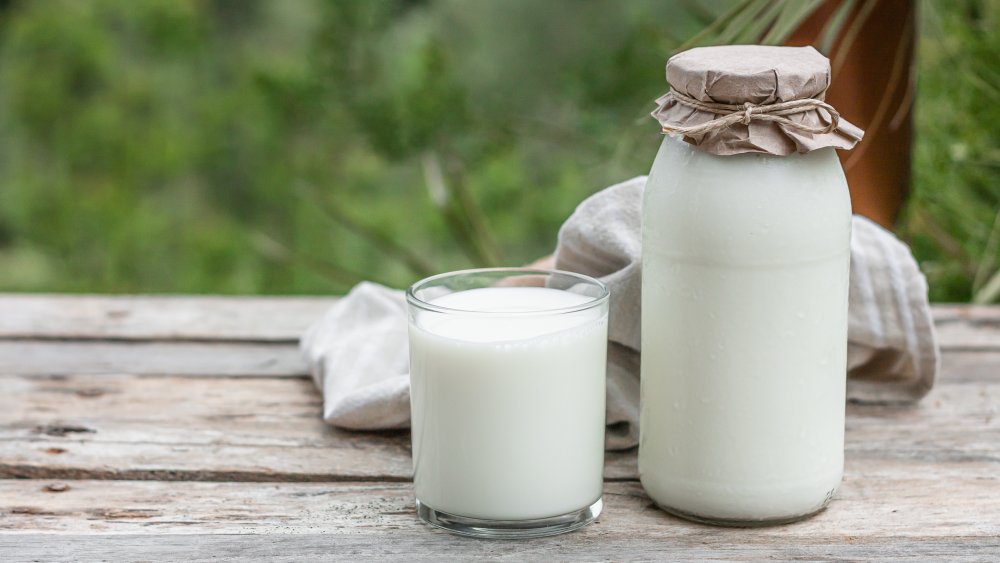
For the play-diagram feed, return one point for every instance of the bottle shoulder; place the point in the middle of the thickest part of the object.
(753, 206)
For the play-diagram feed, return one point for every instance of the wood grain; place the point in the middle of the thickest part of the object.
(431, 545)
(967, 327)
(282, 319)
(269, 429)
(185, 428)
(885, 509)
(199, 428)
(124, 426)
(249, 359)
(211, 359)
(100, 317)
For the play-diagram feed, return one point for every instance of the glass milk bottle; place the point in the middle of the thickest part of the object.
(746, 250)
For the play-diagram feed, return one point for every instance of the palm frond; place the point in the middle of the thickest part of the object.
(834, 25)
(790, 17)
(857, 23)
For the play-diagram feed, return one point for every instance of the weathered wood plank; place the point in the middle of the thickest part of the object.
(175, 405)
(248, 359)
(898, 509)
(878, 498)
(209, 428)
(970, 367)
(214, 359)
(227, 359)
(955, 422)
(431, 546)
(135, 427)
(131, 427)
(967, 327)
(94, 317)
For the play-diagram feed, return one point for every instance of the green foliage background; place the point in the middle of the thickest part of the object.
(241, 146)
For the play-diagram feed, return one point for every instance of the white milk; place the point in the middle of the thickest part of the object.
(744, 332)
(508, 411)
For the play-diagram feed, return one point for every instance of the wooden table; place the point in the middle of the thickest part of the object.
(185, 428)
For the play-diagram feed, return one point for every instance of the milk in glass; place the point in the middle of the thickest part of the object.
(508, 408)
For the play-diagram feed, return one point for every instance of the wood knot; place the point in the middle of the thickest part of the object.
(29, 510)
(122, 513)
(60, 430)
(56, 488)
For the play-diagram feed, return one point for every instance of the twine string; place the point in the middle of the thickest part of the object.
(745, 113)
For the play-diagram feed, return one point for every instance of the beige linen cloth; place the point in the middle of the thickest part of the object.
(357, 352)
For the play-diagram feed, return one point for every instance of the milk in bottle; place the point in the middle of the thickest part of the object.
(746, 234)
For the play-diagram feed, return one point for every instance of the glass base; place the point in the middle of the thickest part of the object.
(510, 529)
(740, 523)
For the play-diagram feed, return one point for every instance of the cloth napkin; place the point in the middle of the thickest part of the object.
(357, 352)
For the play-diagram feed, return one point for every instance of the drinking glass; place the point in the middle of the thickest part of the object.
(507, 372)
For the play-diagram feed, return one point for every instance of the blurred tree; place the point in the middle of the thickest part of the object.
(300, 146)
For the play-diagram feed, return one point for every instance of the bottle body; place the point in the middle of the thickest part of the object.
(744, 333)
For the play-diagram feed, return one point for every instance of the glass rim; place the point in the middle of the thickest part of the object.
(412, 299)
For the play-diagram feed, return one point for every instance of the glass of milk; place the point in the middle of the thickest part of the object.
(507, 371)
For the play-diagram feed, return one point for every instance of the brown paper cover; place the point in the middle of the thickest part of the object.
(757, 74)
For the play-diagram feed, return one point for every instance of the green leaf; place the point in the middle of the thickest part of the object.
(706, 35)
(746, 18)
(792, 15)
(834, 25)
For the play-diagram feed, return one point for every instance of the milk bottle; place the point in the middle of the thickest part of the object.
(746, 234)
